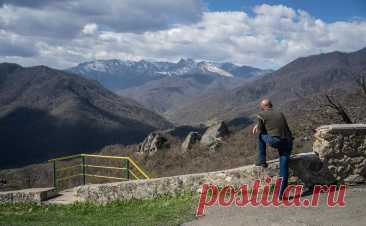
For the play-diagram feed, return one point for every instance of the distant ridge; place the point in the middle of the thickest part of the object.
(163, 86)
(46, 113)
(305, 76)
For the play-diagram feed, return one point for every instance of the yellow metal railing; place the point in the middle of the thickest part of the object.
(129, 168)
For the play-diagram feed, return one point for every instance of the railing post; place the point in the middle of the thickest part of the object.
(127, 170)
(54, 175)
(83, 168)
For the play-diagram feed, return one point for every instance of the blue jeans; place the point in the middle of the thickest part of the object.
(284, 148)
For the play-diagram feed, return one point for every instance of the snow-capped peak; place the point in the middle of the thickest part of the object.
(186, 62)
(214, 69)
(96, 66)
(153, 69)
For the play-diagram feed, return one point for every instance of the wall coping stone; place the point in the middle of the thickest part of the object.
(338, 128)
(29, 195)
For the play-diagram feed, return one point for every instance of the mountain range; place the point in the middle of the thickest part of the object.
(304, 77)
(45, 113)
(163, 86)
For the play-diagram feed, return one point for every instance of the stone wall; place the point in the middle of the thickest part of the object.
(305, 169)
(31, 195)
(339, 156)
(342, 149)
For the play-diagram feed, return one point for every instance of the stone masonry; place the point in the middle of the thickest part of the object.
(342, 149)
(30, 195)
(339, 156)
(305, 169)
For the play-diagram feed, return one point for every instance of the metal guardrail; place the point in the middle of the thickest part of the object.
(129, 168)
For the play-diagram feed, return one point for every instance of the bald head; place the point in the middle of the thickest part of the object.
(265, 104)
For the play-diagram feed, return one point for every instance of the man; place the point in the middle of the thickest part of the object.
(272, 129)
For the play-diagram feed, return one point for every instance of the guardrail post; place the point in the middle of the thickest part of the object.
(83, 168)
(54, 175)
(127, 170)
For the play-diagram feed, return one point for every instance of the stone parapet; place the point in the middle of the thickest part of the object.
(31, 195)
(305, 169)
(342, 149)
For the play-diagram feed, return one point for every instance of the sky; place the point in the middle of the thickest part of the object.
(327, 10)
(265, 34)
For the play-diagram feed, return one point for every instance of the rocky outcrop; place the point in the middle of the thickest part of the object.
(191, 139)
(212, 138)
(152, 143)
(342, 149)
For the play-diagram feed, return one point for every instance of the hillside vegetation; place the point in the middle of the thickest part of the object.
(307, 77)
(46, 113)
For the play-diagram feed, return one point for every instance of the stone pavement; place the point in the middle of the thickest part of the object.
(65, 197)
(354, 213)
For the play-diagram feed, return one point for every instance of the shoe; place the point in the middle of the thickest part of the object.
(262, 164)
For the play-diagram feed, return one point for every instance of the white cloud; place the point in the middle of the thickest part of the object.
(12, 45)
(66, 18)
(90, 29)
(271, 37)
(276, 11)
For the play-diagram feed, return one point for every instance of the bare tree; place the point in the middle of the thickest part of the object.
(362, 83)
(334, 104)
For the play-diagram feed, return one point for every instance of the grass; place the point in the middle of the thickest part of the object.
(160, 211)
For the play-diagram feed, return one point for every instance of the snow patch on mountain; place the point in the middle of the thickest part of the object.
(214, 69)
(120, 74)
(96, 66)
(182, 67)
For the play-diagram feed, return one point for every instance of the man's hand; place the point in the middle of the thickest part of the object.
(255, 129)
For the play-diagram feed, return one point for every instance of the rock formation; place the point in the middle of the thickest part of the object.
(212, 138)
(152, 143)
(191, 139)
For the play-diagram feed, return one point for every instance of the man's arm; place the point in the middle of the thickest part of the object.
(259, 126)
(255, 129)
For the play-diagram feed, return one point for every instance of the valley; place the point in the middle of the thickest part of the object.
(165, 86)
(71, 112)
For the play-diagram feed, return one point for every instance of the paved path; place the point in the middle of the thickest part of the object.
(354, 213)
(64, 197)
